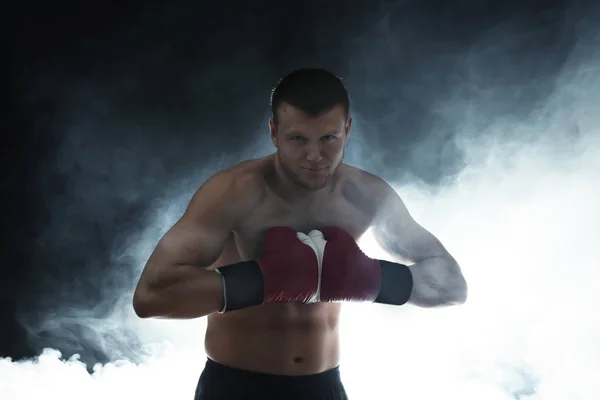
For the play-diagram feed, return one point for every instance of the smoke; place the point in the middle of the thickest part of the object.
(515, 160)
(522, 219)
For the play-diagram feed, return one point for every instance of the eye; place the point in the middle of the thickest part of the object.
(328, 138)
(298, 138)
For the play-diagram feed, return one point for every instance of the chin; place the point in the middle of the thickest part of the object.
(305, 181)
(316, 184)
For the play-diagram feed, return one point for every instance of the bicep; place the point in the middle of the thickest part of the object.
(397, 232)
(199, 236)
(191, 242)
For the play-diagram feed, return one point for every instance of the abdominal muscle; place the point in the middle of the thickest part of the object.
(282, 339)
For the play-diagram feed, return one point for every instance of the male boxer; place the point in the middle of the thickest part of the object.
(267, 250)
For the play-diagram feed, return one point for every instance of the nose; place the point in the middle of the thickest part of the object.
(313, 153)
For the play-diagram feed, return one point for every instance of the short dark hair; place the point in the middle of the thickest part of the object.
(312, 90)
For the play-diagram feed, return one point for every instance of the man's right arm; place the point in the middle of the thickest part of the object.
(175, 282)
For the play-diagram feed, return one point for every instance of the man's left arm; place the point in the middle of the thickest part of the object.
(437, 279)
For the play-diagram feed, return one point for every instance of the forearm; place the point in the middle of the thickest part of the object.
(437, 282)
(186, 292)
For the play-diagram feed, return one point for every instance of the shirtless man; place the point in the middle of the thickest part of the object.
(267, 251)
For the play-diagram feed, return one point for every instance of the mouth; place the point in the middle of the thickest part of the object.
(315, 169)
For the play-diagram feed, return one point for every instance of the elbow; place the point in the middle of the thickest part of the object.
(460, 292)
(460, 298)
(456, 292)
(142, 304)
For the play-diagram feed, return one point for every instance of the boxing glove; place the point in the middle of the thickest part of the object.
(287, 271)
(289, 266)
(347, 273)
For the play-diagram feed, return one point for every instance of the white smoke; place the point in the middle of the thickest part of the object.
(523, 220)
(530, 330)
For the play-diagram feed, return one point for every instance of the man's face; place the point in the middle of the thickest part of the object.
(310, 148)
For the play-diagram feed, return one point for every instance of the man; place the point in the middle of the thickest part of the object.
(267, 251)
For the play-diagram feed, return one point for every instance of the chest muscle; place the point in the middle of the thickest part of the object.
(337, 212)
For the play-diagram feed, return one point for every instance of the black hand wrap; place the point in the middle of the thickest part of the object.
(396, 283)
(243, 286)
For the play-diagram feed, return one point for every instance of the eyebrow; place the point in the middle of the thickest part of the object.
(298, 133)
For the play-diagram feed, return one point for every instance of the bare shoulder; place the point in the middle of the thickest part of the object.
(239, 188)
(364, 189)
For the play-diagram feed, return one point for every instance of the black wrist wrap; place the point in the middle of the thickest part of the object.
(243, 286)
(396, 283)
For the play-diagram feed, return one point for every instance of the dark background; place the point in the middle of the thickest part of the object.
(115, 109)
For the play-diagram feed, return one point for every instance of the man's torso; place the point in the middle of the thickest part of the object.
(288, 339)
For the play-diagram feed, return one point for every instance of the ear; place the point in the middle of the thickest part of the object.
(273, 131)
(348, 127)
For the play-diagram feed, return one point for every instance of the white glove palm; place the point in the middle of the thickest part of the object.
(317, 243)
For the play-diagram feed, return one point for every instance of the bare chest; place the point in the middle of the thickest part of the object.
(334, 211)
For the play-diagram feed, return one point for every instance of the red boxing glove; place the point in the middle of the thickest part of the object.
(289, 265)
(347, 273)
(324, 266)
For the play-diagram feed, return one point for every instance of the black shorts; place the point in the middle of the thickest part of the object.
(220, 382)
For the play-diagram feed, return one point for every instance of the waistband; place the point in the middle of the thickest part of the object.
(217, 371)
